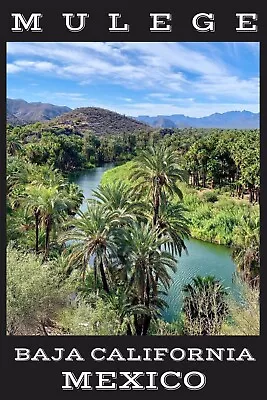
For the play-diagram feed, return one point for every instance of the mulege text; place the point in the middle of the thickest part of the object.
(159, 22)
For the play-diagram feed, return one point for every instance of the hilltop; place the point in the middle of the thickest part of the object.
(99, 121)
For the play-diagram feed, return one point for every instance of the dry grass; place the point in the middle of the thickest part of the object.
(245, 318)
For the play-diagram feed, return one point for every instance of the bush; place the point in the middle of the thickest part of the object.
(90, 319)
(163, 328)
(204, 306)
(210, 197)
(34, 294)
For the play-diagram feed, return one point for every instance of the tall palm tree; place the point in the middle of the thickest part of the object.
(157, 172)
(93, 236)
(53, 206)
(173, 225)
(32, 205)
(120, 198)
(146, 261)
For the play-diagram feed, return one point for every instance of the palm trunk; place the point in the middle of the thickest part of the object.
(204, 179)
(47, 236)
(257, 195)
(156, 209)
(250, 195)
(156, 203)
(147, 318)
(95, 276)
(156, 213)
(103, 277)
(36, 232)
(138, 325)
(129, 330)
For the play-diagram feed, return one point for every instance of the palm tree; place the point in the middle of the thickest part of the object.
(93, 236)
(157, 172)
(32, 205)
(120, 198)
(53, 206)
(121, 301)
(75, 197)
(13, 144)
(204, 305)
(16, 173)
(146, 261)
(173, 225)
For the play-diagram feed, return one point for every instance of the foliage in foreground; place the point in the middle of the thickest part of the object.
(37, 299)
(95, 319)
(34, 293)
(245, 317)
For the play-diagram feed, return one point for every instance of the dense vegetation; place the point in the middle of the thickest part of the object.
(113, 261)
(67, 149)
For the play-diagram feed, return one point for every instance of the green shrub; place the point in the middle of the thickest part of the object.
(97, 319)
(34, 294)
(210, 197)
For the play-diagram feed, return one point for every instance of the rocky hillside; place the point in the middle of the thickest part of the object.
(21, 112)
(99, 121)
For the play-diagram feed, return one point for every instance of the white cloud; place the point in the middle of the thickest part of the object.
(12, 68)
(230, 86)
(36, 65)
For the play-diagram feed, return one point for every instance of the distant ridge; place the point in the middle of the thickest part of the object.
(228, 120)
(21, 112)
(101, 121)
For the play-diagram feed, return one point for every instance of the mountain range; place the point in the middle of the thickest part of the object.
(228, 120)
(101, 120)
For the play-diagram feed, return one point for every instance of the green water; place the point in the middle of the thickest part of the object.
(203, 258)
(88, 180)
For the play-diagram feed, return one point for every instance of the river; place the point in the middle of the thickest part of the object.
(203, 258)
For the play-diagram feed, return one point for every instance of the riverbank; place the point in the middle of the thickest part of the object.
(213, 215)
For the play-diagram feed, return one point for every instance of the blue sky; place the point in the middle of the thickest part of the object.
(195, 79)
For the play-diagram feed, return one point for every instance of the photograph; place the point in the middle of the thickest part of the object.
(132, 188)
